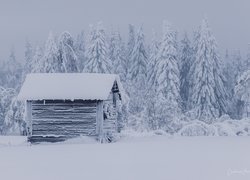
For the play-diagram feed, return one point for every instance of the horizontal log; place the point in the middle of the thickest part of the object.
(53, 121)
(64, 133)
(41, 113)
(71, 116)
(65, 125)
(73, 130)
(61, 126)
(65, 104)
(86, 130)
(63, 107)
(52, 139)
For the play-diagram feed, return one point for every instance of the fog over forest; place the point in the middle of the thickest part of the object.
(33, 20)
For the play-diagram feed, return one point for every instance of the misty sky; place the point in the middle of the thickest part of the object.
(34, 19)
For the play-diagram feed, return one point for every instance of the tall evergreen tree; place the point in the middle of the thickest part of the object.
(166, 79)
(12, 72)
(80, 48)
(36, 63)
(28, 55)
(242, 92)
(150, 95)
(51, 63)
(208, 96)
(136, 82)
(67, 53)
(6, 95)
(97, 55)
(117, 55)
(232, 69)
(186, 60)
(14, 123)
(238, 62)
(130, 45)
(247, 62)
(153, 53)
(139, 60)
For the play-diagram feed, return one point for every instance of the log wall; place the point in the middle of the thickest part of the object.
(64, 118)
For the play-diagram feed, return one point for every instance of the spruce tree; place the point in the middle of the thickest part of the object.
(154, 48)
(80, 48)
(51, 63)
(247, 62)
(208, 96)
(186, 60)
(36, 63)
(67, 53)
(14, 123)
(28, 55)
(97, 55)
(6, 95)
(166, 81)
(117, 55)
(130, 46)
(12, 69)
(242, 92)
(139, 60)
(136, 82)
(150, 94)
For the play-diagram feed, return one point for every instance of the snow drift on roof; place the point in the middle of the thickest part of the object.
(86, 86)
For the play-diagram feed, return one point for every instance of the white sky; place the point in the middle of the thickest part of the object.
(33, 19)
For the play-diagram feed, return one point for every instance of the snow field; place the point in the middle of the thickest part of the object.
(146, 158)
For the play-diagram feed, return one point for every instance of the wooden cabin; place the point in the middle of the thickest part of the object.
(60, 106)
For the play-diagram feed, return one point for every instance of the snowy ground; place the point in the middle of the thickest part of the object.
(140, 158)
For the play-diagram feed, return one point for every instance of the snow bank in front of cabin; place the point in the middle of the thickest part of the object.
(12, 141)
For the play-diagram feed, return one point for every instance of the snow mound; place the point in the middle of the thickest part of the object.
(196, 128)
(224, 128)
(13, 140)
(233, 128)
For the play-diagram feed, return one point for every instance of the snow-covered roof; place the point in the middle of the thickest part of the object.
(86, 86)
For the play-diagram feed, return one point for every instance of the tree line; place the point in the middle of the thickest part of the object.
(167, 81)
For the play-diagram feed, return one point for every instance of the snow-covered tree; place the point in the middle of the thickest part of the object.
(130, 45)
(238, 63)
(229, 71)
(166, 80)
(186, 60)
(6, 95)
(67, 53)
(36, 63)
(97, 55)
(153, 53)
(14, 123)
(28, 56)
(241, 82)
(51, 63)
(139, 60)
(247, 61)
(12, 72)
(136, 83)
(232, 68)
(80, 47)
(208, 97)
(242, 92)
(150, 94)
(117, 55)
